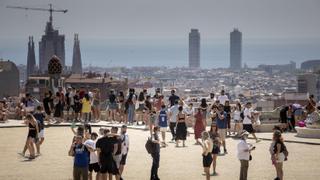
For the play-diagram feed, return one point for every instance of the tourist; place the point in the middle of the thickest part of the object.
(93, 164)
(48, 104)
(130, 106)
(284, 118)
(121, 99)
(173, 98)
(257, 122)
(86, 108)
(125, 148)
(117, 155)
(291, 120)
(105, 149)
(311, 106)
(248, 120)
(204, 109)
(181, 127)
(77, 106)
(206, 153)
(173, 112)
(243, 152)
(222, 98)
(96, 105)
(155, 155)
(70, 103)
(222, 125)
(141, 108)
(227, 110)
(198, 126)
(158, 102)
(189, 110)
(152, 119)
(163, 124)
(32, 137)
(57, 115)
(215, 148)
(29, 103)
(147, 110)
(40, 116)
(237, 118)
(113, 106)
(213, 115)
(278, 151)
(81, 159)
(3, 112)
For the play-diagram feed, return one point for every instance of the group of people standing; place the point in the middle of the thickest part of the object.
(105, 155)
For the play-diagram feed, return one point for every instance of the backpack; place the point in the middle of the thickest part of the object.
(150, 146)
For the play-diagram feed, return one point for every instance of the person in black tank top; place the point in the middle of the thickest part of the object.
(32, 137)
(181, 127)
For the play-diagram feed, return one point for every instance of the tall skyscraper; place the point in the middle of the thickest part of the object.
(31, 58)
(309, 83)
(51, 44)
(76, 58)
(235, 50)
(194, 49)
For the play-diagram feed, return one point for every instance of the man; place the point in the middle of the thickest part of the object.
(222, 98)
(221, 120)
(163, 123)
(81, 159)
(173, 98)
(155, 154)
(125, 148)
(93, 164)
(116, 140)
(173, 112)
(105, 151)
(248, 119)
(70, 102)
(243, 153)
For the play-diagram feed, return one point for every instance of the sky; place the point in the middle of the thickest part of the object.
(164, 19)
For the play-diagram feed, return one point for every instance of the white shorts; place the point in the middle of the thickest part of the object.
(163, 129)
(41, 134)
(222, 134)
(280, 158)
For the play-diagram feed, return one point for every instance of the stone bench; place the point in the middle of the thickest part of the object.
(305, 132)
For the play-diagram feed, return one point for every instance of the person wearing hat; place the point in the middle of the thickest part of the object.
(243, 153)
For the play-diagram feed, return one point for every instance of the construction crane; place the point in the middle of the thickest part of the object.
(51, 10)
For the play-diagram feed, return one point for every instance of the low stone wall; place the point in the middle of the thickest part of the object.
(305, 132)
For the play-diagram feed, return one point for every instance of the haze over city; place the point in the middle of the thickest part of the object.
(155, 33)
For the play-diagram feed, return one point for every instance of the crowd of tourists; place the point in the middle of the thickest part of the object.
(105, 152)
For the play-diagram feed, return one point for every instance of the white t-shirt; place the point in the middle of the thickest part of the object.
(125, 144)
(242, 146)
(236, 115)
(93, 155)
(174, 110)
(247, 112)
(223, 99)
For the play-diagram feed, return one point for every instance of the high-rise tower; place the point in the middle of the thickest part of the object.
(194, 49)
(76, 58)
(31, 58)
(51, 44)
(235, 50)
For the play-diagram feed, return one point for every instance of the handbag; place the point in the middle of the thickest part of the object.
(250, 157)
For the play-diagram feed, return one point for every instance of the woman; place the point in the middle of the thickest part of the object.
(141, 107)
(237, 119)
(113, 106)
(227, 109)
(278, 153)
(57, 108)
(198, 126)
(86, 107)
(147, 110)
(215, 148)
(77, 106)
(129, 106)
(206, 153)
(181, 127)
(203, 107)
(96, 104)
(122, 107)
(158, 102)
(32, 137)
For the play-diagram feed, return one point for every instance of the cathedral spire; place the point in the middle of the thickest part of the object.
(76, 59)
(31, 59)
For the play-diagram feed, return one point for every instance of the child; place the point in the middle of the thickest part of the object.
(40, 116)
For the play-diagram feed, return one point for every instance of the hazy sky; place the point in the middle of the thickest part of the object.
(151, 19)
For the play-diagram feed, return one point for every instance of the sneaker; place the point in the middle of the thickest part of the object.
(214, 174)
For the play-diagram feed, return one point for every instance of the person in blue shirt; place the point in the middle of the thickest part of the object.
(40, 116)
(222, 124)
(163, 124)
(81, 159)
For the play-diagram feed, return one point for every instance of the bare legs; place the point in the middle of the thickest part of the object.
(279, 169)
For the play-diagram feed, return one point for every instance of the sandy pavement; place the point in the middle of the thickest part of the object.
(175, 163)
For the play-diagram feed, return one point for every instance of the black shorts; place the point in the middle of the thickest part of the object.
(207, 160)
(249, 128)
(109, 167)
(94, 167)
(123, 159)
(284, 120)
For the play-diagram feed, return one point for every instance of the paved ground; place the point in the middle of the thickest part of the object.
(176, 163)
